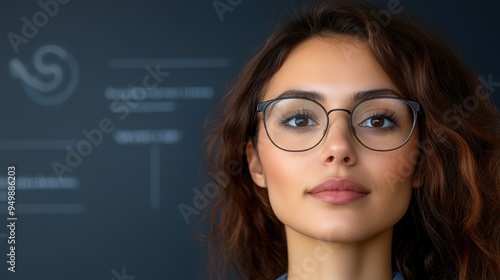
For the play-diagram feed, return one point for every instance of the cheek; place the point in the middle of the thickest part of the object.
(393, 169)
(286, 175)
(278, 165)
(282, 168)
(390, 175)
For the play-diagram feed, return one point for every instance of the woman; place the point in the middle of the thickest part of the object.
(367, 150)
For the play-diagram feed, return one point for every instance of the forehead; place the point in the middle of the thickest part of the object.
(336, 66)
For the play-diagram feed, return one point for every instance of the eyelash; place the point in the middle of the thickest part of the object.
(285, 119)
(385, 115)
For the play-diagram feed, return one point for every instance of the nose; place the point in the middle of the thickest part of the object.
(338, 146)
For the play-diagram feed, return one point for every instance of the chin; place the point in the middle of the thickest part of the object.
(345, 232)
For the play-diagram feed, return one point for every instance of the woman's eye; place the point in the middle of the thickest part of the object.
(301, 121)
(377, 122)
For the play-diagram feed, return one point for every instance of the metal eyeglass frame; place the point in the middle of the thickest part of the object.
(261, 107)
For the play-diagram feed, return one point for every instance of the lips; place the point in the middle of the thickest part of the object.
(339, 191)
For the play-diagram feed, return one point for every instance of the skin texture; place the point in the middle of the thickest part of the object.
(325, 240)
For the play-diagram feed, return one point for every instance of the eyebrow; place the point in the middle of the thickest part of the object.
(313, 95)
(356, 98)
(369, 94)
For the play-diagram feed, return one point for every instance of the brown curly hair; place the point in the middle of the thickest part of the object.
(451, 230)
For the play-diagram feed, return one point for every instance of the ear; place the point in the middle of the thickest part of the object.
(255, 166)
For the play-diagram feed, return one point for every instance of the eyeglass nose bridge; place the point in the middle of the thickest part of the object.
(339, 109)
(328, 121)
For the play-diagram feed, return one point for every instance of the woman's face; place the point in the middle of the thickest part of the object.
(338, 191)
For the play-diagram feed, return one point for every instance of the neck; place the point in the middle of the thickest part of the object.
(310, 258)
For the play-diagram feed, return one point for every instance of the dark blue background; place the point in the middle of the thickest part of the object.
(120, 206)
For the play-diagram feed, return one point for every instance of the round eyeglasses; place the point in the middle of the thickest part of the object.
(300, 124)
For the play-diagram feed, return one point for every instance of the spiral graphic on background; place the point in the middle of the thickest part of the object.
(55, 90)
